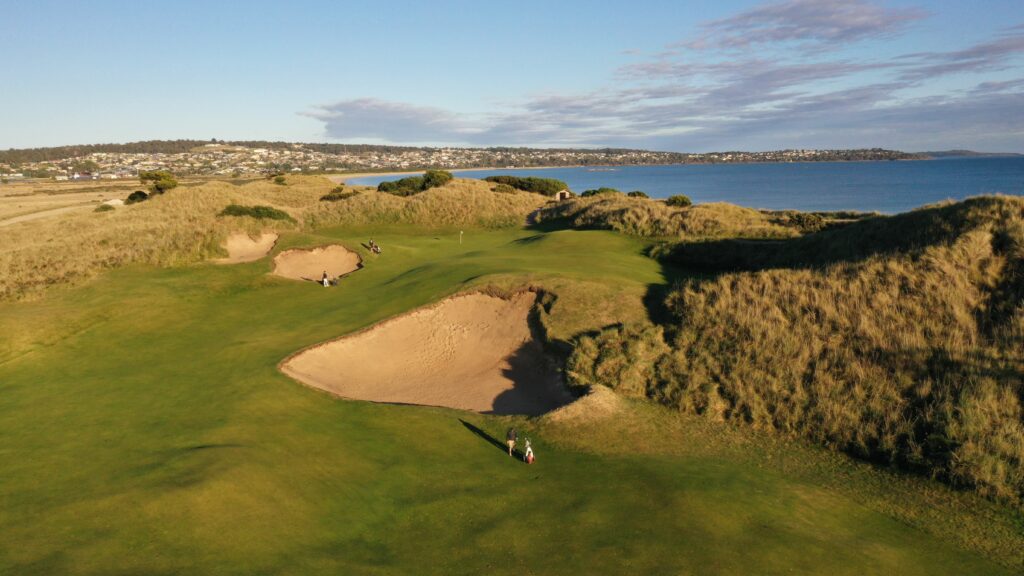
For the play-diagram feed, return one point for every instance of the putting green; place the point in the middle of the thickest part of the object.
(145, 428)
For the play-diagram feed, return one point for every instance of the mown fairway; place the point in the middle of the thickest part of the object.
(144, 428)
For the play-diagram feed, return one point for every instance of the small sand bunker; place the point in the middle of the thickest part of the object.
(311, 264)
(472, 352)
(242, 248)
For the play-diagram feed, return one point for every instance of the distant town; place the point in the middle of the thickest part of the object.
(238, 159)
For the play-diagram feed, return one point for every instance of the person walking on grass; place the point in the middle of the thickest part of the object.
(324, 280)
(510, 438)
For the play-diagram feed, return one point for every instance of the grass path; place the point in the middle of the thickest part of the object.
(144, 428)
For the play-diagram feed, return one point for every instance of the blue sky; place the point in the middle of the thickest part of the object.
(687, 76)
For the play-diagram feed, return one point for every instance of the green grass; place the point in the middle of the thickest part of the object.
(144, 428)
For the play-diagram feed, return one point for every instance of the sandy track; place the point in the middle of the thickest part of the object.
(47, 213)
(472, 352)
(242, 248)
(311, 264)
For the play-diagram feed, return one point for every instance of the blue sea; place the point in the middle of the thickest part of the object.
(886, 187)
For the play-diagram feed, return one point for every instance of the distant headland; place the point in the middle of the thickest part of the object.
(237, 158)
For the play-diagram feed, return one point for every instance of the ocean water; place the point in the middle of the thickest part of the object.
(886, 187)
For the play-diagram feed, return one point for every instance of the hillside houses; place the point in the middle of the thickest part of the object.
(221, 159)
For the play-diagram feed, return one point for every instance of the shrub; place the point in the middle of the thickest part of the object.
(104, 208)
(545, 186)
(415, 184)
(260, 212)
(503, 189)
(435, 178)
(137, 196)
(279, 180)
(637, 194)
(802, 221)
(160, 181)
(338, 193)
(679, 201)
(598, 192)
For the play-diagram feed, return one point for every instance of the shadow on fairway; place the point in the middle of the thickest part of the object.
(492, 440)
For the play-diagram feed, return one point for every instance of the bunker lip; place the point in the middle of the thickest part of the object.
(470, 352)
(311, 263)
(242, 248)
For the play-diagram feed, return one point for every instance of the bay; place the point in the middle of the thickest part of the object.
(886, 187)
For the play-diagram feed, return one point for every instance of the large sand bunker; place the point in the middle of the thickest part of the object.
(242, 248)
(472, 352)
(311, 264)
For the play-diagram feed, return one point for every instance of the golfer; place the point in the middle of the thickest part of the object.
(510, 439)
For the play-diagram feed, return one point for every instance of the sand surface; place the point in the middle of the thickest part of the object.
(311, 264)
(242, 248)
(472, 352)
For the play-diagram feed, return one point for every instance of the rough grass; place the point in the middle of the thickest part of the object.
(174, 228)
(181, 226)
(257, 212)
(461, 202)
(899, 340)
(651, 218)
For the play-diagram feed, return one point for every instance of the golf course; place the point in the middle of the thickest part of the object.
(167, 407)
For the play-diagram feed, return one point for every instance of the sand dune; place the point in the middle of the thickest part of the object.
(472, 352)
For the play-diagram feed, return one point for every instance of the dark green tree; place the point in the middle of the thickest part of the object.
(679, 200)
(159, 181)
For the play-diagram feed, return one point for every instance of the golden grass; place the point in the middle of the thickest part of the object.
(911, 353)
(177, 227)
(461, 202)
(652, 218)
(182, 226)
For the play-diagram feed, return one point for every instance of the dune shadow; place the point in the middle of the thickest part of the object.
(201, 447)
(537, 386)
(839, 242)
(529, 239)
(552, 225)
(655, 297)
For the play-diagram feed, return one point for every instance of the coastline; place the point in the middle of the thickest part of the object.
(340, 178)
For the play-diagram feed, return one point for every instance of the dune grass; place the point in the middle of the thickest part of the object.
(145, 429)
(651, 218)
(182, 226)
(899, 340)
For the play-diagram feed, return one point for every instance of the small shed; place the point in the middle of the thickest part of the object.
(563, 195)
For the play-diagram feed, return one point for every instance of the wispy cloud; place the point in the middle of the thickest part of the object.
(391, 121)
(717, 91)
(996, 54)
(820, 22)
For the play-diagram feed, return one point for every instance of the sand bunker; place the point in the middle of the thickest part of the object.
(472, 352)
(311, 264)
(242, 248)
